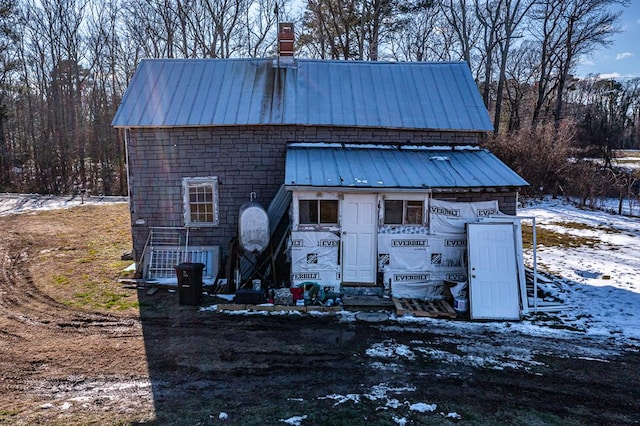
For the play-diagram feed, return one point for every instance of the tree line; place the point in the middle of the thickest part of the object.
(65, 64)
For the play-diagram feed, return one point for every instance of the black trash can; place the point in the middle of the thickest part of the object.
(189, 283)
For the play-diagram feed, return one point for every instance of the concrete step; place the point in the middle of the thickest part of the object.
(366, 303)
(360, 290)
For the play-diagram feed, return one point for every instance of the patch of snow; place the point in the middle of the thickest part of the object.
(393, 403)
(390, 349)
(422, 407)
(294, 421)
(402, 421)
(223, 416)
(211, 308)
(347, 316)
(24, 203)
(382, 390)
(341, 399)
(453, 415)
(382, 366)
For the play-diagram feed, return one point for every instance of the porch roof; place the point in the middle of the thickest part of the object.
(375, 166)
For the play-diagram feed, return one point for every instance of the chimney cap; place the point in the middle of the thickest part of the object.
(285, 27)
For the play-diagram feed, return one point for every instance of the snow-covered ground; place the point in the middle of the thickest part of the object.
(21, 203)
(601, 279)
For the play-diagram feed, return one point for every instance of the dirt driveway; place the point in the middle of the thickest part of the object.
(163, 363)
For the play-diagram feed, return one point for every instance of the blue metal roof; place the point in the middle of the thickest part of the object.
(390, 167)
(226, 92)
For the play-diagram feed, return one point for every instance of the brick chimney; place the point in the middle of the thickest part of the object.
(285, 39)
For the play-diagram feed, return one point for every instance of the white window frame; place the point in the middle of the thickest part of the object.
(319, 202)
(318, 196)
(187, 182)
(404, 198)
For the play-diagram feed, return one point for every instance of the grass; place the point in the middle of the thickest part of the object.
(550, 238)
(627, 153)
(634, 160)
(76, 256)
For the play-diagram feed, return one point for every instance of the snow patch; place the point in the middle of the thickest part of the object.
(390, 349)
(422, 407)
(294, 421)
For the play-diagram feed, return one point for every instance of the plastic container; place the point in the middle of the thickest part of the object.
(461, 303)
(297, 293)
(256, 284)
(189, 283)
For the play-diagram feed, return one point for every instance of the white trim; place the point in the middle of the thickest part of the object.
(400, 196)
(186, 212)
(318, 195)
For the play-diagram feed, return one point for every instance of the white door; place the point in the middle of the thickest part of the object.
(493, 275)
(359, 223)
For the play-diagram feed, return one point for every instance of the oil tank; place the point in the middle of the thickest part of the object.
(253, 227)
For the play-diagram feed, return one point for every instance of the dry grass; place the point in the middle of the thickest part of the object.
(626, 153)
(76, 256)
(549, 238)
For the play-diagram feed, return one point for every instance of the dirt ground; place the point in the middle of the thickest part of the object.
(157, 362)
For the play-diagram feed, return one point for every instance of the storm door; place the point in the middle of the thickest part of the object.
(493, 273)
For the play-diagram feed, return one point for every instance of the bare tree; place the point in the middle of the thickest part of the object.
(519, 83)
(567, 29)
(604, 117)
(514, 12)
(8, 64)
(422, 34)
(461, 19)
(332, 29)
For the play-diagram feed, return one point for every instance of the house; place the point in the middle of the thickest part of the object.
(359, 150)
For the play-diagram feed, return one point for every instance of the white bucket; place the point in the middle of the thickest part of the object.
(257, 284)
(461, 303)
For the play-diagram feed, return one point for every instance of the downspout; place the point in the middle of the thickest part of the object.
(126, 165)
(139, 260)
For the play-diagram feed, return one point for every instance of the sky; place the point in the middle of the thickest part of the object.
(622, 58)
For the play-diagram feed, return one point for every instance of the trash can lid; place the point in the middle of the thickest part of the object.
(190, 265)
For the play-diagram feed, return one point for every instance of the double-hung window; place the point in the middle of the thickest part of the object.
(403, 212)
(200, 199)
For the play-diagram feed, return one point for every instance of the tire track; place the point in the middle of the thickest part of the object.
(24, 307)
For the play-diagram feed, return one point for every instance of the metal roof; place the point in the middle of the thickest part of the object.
(224, 92)
(386, 167)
